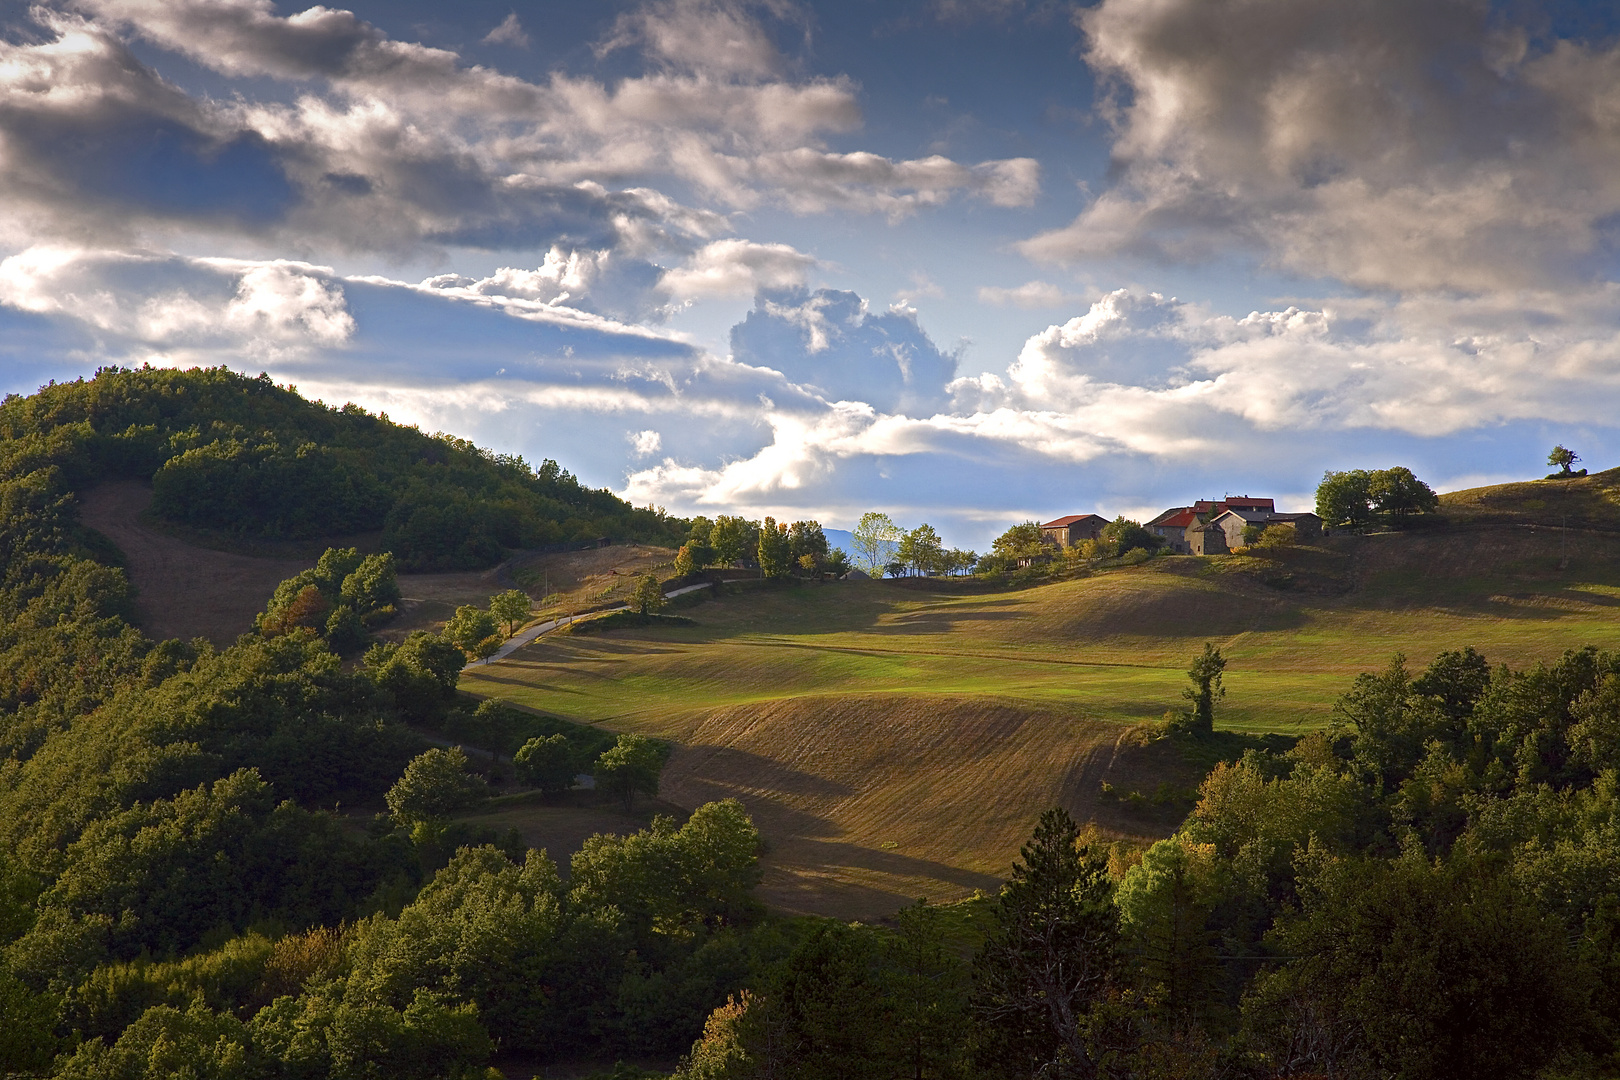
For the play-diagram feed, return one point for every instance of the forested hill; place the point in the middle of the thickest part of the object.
(242, 455)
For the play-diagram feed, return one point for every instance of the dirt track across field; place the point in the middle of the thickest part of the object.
(184, 591)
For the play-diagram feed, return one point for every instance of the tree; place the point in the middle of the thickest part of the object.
(806, 538)
(1564, 458)
(685, 565)
(630, 768)
(434, 785)
(470, 626)
(1022, 541)
(837, 563)
(874, 539)
(547, 764)
(1399, 494)
(774, 560)
(732, 538)
(1164, 906)
(648, 596)
(1127, 535)
(1345, 498)
(1051, 957)
(1206, 679)
(921, 550)
(511, 607)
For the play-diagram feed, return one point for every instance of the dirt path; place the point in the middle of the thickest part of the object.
(184, 591)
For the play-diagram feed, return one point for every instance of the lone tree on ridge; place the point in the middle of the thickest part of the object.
(1564, 458)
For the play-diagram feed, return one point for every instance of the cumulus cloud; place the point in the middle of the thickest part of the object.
(645, 442)
(829, 341)
(738, 268)
(163, 303)
(1399, 145)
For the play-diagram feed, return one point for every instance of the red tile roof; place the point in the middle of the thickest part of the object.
(1070, 520)
(1178, 517)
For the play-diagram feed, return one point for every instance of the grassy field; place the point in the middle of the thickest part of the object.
(897, 739)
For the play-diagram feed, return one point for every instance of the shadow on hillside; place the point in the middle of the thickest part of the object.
(698, 764)
(838, 853)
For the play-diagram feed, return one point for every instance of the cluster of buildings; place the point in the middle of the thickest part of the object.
(1207, 527)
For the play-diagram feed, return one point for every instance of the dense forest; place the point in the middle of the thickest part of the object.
(1431, 888)
(234, 455)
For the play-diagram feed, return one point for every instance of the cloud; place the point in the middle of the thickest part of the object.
(1412, 146)
(389, 145)
(645, 442)
(709, 36)
(161, 303)
(1031, 294)
(509, 32)
(829, 342)
(738, 268)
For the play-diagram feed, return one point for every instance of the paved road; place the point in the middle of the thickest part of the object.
(525, 636)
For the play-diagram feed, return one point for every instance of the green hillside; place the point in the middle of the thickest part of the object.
(234, 458)
(850, 718)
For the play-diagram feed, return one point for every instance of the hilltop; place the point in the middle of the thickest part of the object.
(1580, 502)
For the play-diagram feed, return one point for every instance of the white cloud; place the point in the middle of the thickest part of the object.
(1398, 145)
(509, 32)
(1031, 294)
(164, 302)
(738, 268)
(710, 36)
(645, 442)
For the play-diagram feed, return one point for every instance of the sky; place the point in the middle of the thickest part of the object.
(968, 262)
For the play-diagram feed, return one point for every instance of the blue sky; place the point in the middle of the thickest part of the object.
(964, 261)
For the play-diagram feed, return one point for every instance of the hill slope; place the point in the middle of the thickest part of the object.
(852, 716)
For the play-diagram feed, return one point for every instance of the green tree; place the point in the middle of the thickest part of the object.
(1165, 903)
(1563, 458)
(837, 563)
(1205, 674)
(547, 764)
(648, 595)
(1399, 494)
(874, 539)
(1344, 499)
(470, 626)
(1022, 541)
(806, 538)
(1050, 959)
(630, 768)
(774, 561)
(434, 785)
(1127, 535)
(732, 539)
(921, 550)
(1414, 969)
(510, 607)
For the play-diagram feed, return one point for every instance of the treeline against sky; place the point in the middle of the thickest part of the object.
(238, 455)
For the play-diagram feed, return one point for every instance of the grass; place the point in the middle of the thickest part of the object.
(898, 740)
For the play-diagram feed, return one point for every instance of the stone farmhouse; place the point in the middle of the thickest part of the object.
(1214, 527)
(1068, 531)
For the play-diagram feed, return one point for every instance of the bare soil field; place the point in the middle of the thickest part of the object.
(184, 591)
(870, 802)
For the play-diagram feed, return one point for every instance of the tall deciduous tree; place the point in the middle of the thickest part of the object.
(1205, 674)
(1400, 494)
(774, 550)
(1345, 498)
(874, 539)
(630, 768)
(921, 550)
(732, 538)
(511, 607)
(648, 596)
